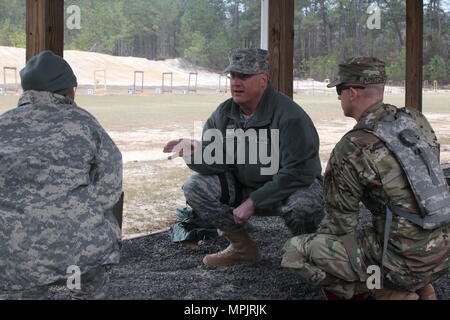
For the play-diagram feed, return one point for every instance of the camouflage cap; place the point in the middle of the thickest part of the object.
(365, 70)
(248, 61)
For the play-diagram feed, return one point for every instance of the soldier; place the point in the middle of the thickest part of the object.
(236, 182)
(390, 163)
(60, 173)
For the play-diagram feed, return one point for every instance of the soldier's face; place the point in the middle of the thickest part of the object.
(248, 90)
(346, 102)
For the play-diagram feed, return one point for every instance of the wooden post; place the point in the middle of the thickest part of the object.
(44, 27)
(281, 45)
(414, 53)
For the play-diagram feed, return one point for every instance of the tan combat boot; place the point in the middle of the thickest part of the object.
(390, 294)
(427, 293)
(241, 249)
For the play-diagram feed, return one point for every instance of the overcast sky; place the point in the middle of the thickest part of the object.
(445, 5)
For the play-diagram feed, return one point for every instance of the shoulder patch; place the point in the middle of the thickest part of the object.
(364, 140)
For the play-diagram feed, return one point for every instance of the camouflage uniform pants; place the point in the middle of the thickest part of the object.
(339, 263)
(94, 286)
(302, 211)
(322, 261)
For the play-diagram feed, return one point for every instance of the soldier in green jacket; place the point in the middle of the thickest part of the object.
(259, 155)
(342, 258)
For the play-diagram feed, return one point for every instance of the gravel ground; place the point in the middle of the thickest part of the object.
(153, 268)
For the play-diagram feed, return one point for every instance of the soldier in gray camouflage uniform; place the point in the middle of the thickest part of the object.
(60, 173)
(227, 193)
(362, 168)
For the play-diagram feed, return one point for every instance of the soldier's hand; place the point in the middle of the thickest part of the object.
(179, 148)
(244, 212)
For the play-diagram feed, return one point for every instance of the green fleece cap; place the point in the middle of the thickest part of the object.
(48, 72)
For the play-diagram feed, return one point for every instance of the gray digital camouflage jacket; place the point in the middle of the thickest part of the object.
(59, 173)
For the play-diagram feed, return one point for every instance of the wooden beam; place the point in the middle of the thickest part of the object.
(44, 26)
(281, 45)
(414, 53)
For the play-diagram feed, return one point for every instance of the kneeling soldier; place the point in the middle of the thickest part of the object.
(390, 163)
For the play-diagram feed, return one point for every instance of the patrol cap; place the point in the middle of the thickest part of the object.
(48, 72)
(364, 70)
(248, 61)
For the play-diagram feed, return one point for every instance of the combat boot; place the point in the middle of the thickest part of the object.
(427, 293)
(361, 293)
(241, 249)
(390, 294)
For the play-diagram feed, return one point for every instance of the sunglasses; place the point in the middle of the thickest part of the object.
(341, 88)
(240, 76)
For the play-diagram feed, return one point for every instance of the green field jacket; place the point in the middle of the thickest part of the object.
(297, 150)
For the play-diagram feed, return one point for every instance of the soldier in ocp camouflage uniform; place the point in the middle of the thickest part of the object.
(228, 193)
(60, 173)
(363, 169)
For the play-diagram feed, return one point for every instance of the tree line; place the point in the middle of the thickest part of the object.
(204, 31)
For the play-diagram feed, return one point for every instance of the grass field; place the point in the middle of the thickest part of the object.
(141, 125)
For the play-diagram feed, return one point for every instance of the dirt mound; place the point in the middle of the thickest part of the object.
(119, 70)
